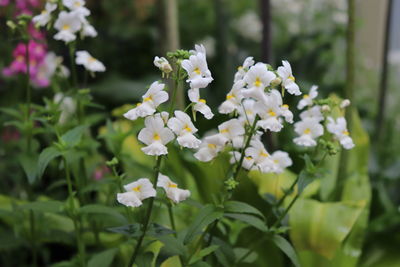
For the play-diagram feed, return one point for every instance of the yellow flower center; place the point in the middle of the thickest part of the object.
(91, 59)
(276, 161)
(229, 96)
(212, 146)
(197, 70)
(156, 137)
(257, 83)
(202, 101)
(248, 158)
(224, 131)
(44, 12)
(77, 4)
(263, 154)
(240, 68)
(292, 78)
(66, 27)
(149, 98)
(187, 128)
(345, 132)
(306, 96)
(172, 185)
(137, 188)
(271, 113)
(307, 131)
(285, 106)
(138, 104)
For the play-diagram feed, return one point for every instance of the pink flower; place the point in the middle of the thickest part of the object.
(100, 172)
(4, 2)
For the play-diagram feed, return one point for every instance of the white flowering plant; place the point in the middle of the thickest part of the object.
(172, 192)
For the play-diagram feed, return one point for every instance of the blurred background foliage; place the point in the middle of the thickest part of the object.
(340, 221)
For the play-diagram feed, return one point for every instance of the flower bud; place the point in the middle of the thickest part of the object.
(277, 81)
(345, 103)
(325, 108)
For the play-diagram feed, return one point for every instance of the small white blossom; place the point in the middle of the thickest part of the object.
(339, 129)
(288, 80)
(88, 30)
(345, 103)
(259, 155)
(183, 127)
(233, 98)
(45, 15)
(247, 112)
(248, 161)
(199, 76)
(67, 106)
(154, 97)
(77, 6)
(257, 78)
(163, 64)
(269, 111)
(308, 130)
(171, 189)
(314, 113)
(155, 135)
(210, 147)
(200, 104)
(241, 72)
(286, 113)
(136, 192)
(67, 25)
(231, 129)
(280, 160)
(308, 98)
(90, 63)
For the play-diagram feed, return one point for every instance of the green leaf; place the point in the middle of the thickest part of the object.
(47, 155)
(321, 227)
(240, 252)
(202, 253)
(157, 230)
(94, 208)
(241, 207)
(131, 230)
(249, 219)
(206, 216)
(286, 248)
(29, 164)
(44, 206)
(103, 259)
(173, 246)
(73, 137)
(144, 260)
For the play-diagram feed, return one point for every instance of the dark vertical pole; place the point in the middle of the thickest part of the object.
(384, 74)
(265, 14)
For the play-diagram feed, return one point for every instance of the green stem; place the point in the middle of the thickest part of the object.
(28, 96)
(148, 214)
(171, 218)
(77, 221)
(33, 237)
(278, 221)
(174, 91)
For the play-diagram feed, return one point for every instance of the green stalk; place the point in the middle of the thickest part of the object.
(33, 237)
(77, 221)
(148, 214)
(171, 218)
(176, 88)
(28, 96)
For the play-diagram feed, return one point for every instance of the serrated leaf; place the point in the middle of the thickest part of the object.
(47, 155)
(286, 248)
(206, 216)
(241, 207)
(73, 137)
(249, 219)
(103, 259)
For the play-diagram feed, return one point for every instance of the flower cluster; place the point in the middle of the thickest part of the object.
(141, 189)
(313, 119)
(259, 108)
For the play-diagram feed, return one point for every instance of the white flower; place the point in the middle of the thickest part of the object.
(67, 106)
(248, 161)
(88, 30)
(200, 105)
(314, 113)
(345, 103)
(163, 64)
(199, 76)
(247, 112)
(288, 80)
(233, 98)
(339, 129)
(231, 129)
(308, 98)
(90, 63)
(45, 16)
(286, 113)
(269, 111)
(259, 77)
(77, 6)
(171, 189)
(136, 192)
(183, 127)
(210, 147)
(259, 155)
(308, 130)
(154, 97)
(67, 24)
(280, 161)
(155, 135)
(241, 72)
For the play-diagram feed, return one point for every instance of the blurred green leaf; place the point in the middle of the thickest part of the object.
(73, 137)
(47, 155)
(29, 164)
(44, 206)
(202, 253)
(132, 230)
(241, 207)
(286, 248)
(249, 219)
(95, 208)
(103, 259)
